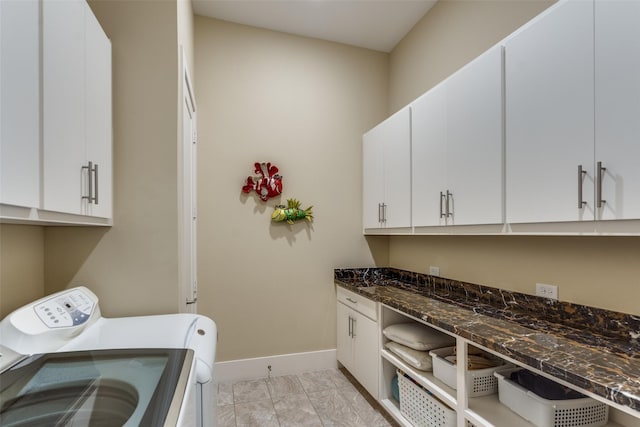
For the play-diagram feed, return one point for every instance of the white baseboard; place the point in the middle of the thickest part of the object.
(283, 364)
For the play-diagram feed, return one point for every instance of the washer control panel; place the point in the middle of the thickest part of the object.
(67, 309)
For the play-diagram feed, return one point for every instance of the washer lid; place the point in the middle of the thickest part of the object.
(104, 387)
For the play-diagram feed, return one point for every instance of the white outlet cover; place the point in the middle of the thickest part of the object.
(547, 291)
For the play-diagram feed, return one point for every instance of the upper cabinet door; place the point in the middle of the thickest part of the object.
(617, 83)
(20, 103)
(475, 142)
(372, 179)
(549, 116)
(386, 173)
(428, 157)
(397, 170)
(63, 105)
(98, 129)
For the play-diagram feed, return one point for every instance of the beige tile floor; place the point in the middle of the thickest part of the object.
(321, 398)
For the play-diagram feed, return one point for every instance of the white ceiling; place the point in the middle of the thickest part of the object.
(373, 24)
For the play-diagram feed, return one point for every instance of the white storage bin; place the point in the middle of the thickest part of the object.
(584, 412)
(422, 409)
(480, 382)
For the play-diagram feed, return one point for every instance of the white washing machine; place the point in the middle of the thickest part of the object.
(147, 370)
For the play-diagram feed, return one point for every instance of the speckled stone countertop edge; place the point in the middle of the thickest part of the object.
(590, 368)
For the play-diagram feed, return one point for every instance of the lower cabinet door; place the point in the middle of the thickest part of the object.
(344, 348)
(357, 347)
(365, 352)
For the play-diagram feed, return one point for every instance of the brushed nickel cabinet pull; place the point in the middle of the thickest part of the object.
(89, 169)
(352, 301)
(92, 171)
(599, 200)
(449, 208)
(581, 174)
(442, 215)
(95, 184)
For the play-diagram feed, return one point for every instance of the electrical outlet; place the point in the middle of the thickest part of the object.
(434, 271)
(547, 291)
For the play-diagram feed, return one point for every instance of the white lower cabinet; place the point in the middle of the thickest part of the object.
(455, 402)
(357, 347)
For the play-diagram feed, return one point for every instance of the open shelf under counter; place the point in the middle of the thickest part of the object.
(393, 408)
(495, 414)
(426, 379)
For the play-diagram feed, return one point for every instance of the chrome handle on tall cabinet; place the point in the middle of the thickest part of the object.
(599, 199)
(379, 212)
(349, 325)
(581, 174)
(441, 212)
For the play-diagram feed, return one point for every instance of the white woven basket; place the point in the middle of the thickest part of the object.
(422, 409)
(586, 412)
(480, 382)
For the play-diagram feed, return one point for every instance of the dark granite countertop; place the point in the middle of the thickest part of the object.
(594, 349)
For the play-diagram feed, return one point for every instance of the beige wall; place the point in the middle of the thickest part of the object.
(450, 35)
(21, 266)
(597, 271)
(133, 266)
(302, 104)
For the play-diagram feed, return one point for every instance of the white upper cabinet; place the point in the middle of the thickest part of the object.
(76, 111)
(386, 173)
(457, 147)
(428, 158)
(617, 108)
(20, 103)
(549, 117)
(63, 105)
(98, 117)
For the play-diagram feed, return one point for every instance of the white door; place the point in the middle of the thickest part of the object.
(20, 103)
(397, 170)
(428, 157)
(63, 100)
(474, 141)
(617, 125)
(549, 116)
(189, 214)
(98, 122)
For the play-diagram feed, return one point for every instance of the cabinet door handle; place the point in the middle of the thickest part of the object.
(379, 212)
(599, 199)
(351, 300)
(449, 205)
(349, 326)
(441, 211)
(92, 175)
(95, 184)
(89, 169)
(384, 212)
(353, 328)
(581, 174)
